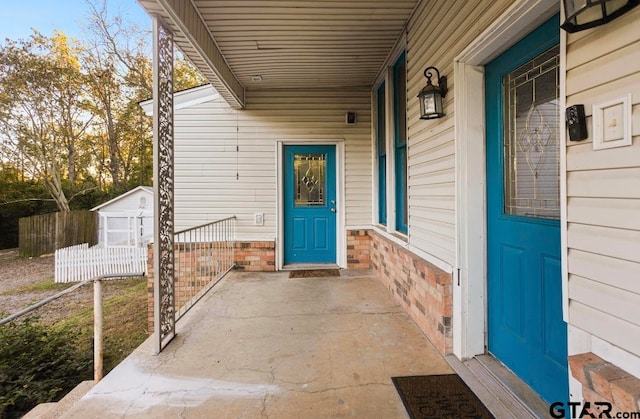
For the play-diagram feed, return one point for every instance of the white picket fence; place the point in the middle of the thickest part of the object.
(81, 262)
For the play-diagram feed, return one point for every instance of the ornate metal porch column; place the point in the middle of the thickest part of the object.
(163, 248)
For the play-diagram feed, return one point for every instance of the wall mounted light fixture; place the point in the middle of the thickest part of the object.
(430, 97)
(585, 14)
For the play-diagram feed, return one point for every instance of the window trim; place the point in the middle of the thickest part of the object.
(385, 75)
(381, 156)
(400, 140)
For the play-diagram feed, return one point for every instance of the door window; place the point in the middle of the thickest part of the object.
(309, 172)
(532, 140)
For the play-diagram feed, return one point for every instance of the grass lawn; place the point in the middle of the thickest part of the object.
(124, 320)
(124, 313)
(62, 332)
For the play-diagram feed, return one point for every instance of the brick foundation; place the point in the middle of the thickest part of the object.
(358, 249)
(256, 256)
(424, 290)
(603, 381)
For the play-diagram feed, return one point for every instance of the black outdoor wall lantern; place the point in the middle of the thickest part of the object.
(585, 14)
(430, 97)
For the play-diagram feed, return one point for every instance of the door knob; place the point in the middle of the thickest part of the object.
(333, 210)
(333, 201)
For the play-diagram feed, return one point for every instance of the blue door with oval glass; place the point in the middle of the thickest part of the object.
(309, 177)
(525, 327)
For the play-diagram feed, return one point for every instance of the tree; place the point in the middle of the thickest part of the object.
(120, 76)
(71, 99)
(19, 198)
(41, 108)
(185, 74)
(69, 113)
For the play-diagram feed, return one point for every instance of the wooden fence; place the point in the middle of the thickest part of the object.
(42, 234)
(81, 262)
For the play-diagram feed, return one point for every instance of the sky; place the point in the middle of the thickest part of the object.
(17, 17)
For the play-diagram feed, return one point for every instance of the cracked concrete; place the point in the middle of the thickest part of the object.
(262, 345)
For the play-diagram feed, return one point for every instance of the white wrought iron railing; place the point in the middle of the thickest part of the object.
(203, 256)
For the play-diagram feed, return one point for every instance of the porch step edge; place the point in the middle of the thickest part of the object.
(514, 385)
(500, 401)
(57, 409)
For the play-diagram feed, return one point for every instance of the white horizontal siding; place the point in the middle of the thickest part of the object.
(214, 181)
(584, 159)
(613, 242)
(623, 305)
(603, 191)
(605, 326)
(437, 32)
(607, 270)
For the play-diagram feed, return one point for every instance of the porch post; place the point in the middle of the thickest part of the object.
(163, 248)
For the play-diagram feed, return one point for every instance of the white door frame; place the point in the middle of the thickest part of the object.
(469, 288)
(341, 235)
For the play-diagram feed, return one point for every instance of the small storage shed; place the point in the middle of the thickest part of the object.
(127, 220)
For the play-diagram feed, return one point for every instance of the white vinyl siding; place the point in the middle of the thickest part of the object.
(603, 189)
(437, 32)
(214, 181)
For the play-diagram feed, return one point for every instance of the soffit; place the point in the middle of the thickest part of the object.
(297, 43)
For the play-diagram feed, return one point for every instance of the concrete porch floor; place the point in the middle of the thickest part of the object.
(264, 345)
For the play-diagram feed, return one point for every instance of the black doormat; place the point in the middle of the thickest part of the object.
(439, 396)
(314, 273)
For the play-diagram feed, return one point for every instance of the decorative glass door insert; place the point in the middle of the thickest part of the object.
(309, 171)
(532, 141)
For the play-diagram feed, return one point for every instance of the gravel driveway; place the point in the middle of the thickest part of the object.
(17, 272)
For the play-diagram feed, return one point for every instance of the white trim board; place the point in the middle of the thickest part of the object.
(147, 189)
(402, 242)
(469, 290)
(186, 98)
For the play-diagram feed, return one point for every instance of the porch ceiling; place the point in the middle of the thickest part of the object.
(289, 44)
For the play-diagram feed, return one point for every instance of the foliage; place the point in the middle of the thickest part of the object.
(186, 75)
(41, 108)
(42, 360)
(23, 197)
(69, 113)
(38, 364)
(124, 321)
(70, 123)
(19, 197)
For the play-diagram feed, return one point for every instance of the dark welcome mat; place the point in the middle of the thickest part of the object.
(314, 273)
(439, 396)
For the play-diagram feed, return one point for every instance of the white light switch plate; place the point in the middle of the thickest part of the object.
(612, 123)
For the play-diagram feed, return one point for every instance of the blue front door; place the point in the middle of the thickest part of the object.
(525, 327)
(309, 204)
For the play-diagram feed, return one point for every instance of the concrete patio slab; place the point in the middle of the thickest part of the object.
(264, 345)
